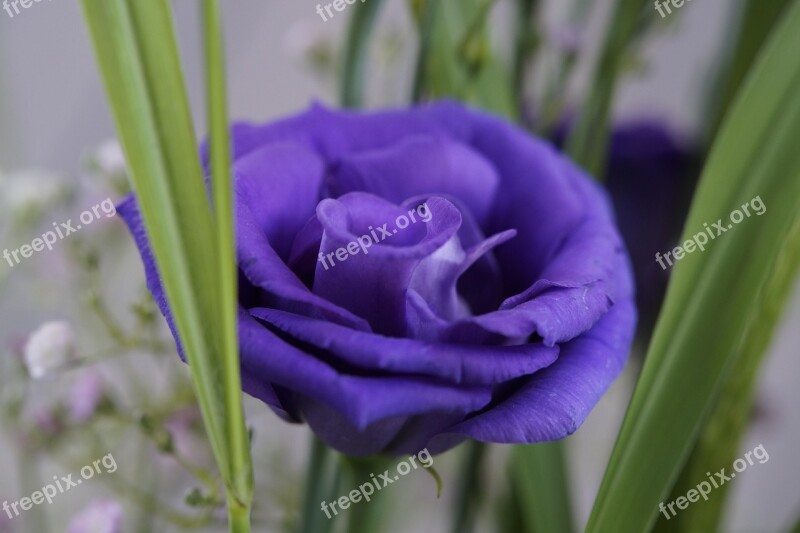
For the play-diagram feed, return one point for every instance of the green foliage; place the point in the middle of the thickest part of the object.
(704, 324)
(138, 57)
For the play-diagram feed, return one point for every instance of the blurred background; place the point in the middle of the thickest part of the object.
(56, 149)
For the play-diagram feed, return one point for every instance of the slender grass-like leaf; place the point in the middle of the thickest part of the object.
(138, 57)
(719, 444)
(709, 304)
(356, 50)
(587, 144)
(427, 24)
(319, 487)
(456, 59)
(526, 42)
(469, 486)
(539, 478)
(240, 494)
(756, 20)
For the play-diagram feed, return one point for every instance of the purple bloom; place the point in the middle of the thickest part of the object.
(650, 181)
(503, 318)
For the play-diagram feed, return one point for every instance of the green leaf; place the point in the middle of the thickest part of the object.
(539, 479)
(468, 488)
(709, 304)
(139, 62)
(456, 60)
(438, 72)
(356, 49)
(757, 18)
(719, 444)
(319, 487)
(587, 144)
(427, 21)
(240, 477)
(526, 42)
(796, 527)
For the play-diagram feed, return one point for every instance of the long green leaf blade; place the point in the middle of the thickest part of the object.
(587, 144)
(539, 477)
(137, 53)
(163, 209)
(709, 302)
(719, 444)
(356, 51)
(222, 186)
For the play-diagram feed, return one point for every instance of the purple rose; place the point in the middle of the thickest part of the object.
(494, 301)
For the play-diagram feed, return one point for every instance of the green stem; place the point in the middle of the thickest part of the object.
(317, 489)
(37, 518)
(555, 99)
(240, 487)
(363, 517)
(539, 476)
(526, 42)
(469, 486)
(427, 24)
(238, 515)
(355, 53)
(587, 143)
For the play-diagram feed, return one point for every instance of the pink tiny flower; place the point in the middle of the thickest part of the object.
(47, 422)
(100, 516)
(85, 396)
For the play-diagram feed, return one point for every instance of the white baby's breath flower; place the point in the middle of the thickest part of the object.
(107, 162)
(49, 348)
(27, 193)
(109, 158)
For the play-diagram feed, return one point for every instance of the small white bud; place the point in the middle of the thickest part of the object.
(27, 193)
(109, 158)
(49, 348)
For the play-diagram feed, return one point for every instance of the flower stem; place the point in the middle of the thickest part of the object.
(363, 517)
(355, 53)
(318, 487)
(469, 487)
(238, 515)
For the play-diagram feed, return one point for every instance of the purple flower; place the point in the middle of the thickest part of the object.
(503, 318)
(650, 181)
